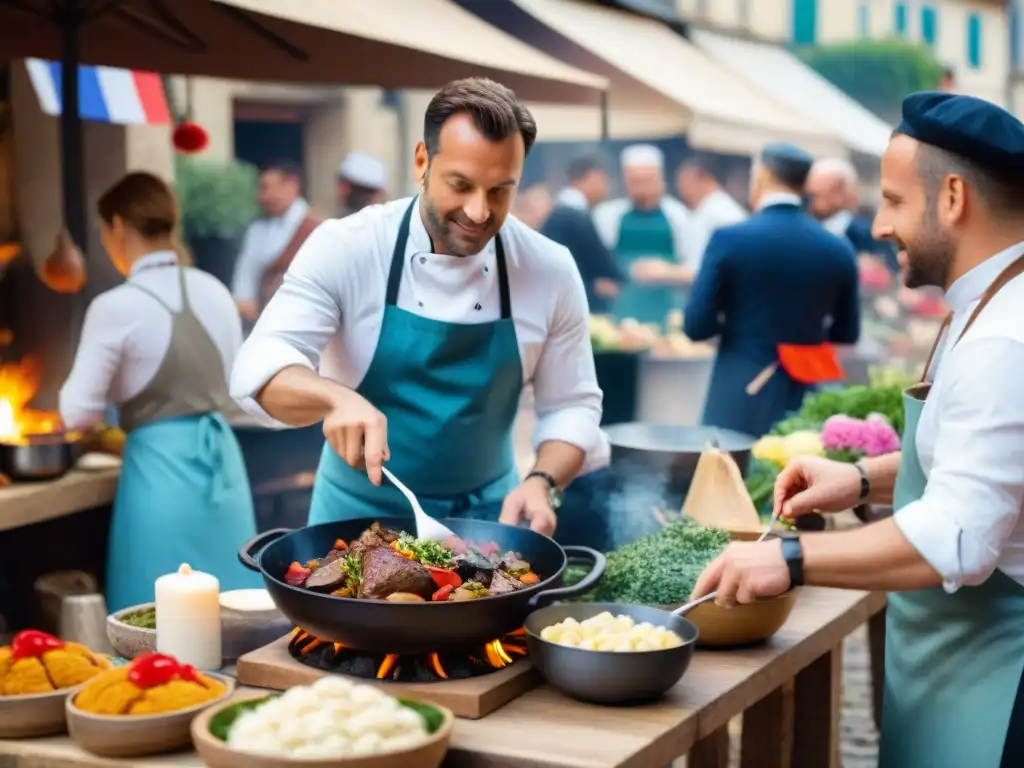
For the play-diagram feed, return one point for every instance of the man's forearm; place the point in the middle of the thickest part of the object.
(559, 459)
(298, 396)
(881, 472)
(874, 557)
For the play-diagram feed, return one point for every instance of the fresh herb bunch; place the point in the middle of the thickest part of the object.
(426, 551)
(660, 568)
(859, 402)
(352, 567)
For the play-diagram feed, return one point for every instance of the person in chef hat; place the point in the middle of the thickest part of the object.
(362, 181)
(654, 238)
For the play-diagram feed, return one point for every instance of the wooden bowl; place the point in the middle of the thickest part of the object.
(136, 735)
(129, 641)
(217, 754)
(742, 624)
(35, 714)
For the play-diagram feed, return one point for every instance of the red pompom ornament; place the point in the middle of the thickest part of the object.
(190, 138)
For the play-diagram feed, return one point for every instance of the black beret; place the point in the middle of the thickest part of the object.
(975, 129)
(787, 162)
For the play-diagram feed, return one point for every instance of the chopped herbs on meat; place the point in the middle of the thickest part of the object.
(426, 551)
(657, 569)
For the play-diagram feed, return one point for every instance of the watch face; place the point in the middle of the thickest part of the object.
(555, 497)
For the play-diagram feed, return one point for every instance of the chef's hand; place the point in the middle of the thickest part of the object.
(746, 571)
(358, 432)
(812, 484)
(530, 502)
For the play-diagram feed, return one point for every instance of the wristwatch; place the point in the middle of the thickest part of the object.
(793, 554)
(865, 482)
(555, 494)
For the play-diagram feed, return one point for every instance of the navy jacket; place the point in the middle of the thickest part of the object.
(859, 235)
(575, 230)
(777, 278)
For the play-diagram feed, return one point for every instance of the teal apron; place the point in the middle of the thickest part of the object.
(450, 392)
(183, 495)
(645, 235)
(954, 691)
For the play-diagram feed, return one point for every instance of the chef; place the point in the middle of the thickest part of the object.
(160, 346)
(362, 181)
(432, 313)
(653, 236)
(952, 556)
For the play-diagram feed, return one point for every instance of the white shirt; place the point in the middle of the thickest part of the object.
(327, 315)
(838, 223)
(572, 198)
(719, 209)
(778, 198)
(687, 236)
(970, 439)
(264, 241)
(126, 334)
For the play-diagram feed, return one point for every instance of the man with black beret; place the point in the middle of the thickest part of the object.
(778, 290)
(952, 556)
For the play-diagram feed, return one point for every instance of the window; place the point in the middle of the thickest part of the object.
(929, 24)
(864, 20)
(974, 40)
(805, 21)
(900, 19)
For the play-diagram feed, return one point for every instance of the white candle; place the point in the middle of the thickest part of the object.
(188, 617)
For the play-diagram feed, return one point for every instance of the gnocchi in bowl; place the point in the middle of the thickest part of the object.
(608, 632)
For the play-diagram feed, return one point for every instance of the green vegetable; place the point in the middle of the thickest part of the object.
(660, 568)
(426, 551)
(352, 567)
(220, 723)
(143, 619)
(433, 718)
(858, 402)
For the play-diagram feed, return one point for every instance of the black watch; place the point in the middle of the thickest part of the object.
(865, 483)
(555, 494)
(793, 554)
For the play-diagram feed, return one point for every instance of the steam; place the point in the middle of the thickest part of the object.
(631, 502)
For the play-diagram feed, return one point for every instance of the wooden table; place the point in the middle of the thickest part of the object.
(795, 677)
(24, 504)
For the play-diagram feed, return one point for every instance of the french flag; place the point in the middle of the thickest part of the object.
(105, 94)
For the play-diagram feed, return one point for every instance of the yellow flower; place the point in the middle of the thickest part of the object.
(782, 450)
(771, 448)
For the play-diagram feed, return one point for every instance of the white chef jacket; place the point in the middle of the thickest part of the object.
(687, 237)
(838, 223)
(970, 439)
(719, 209)
(126, 335)
(328, 312)
(263, 243)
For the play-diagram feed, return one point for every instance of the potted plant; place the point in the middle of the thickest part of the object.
(218, 201)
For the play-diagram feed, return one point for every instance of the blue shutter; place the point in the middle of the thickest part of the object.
(929, 24)
(864, 20)
(805, 21)
(974, 40)
(900, 20)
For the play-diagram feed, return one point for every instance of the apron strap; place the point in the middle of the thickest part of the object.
(935, 346)
(398, 263)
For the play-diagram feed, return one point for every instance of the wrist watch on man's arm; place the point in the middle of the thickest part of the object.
(555, 494)
(793, 554)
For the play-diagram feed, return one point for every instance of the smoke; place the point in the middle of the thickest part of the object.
(631, 501)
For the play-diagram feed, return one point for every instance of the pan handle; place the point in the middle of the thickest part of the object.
(248, 551)
(573, 552)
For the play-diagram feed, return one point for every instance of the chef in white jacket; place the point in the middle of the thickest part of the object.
(411, 328)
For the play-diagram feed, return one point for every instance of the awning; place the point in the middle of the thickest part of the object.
(388, 43)
(105, 94)
(645, 59)
(777, 72)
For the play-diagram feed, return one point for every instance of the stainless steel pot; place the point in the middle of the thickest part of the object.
(40, 457)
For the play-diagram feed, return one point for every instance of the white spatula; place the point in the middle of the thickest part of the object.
(426, 526)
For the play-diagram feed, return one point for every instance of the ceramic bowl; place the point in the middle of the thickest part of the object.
(136, 735)
(217, 754)
(742, 624)
(129, 641)
(32, 715)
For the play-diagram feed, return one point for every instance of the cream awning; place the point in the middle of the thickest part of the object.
(777, 72)
(388, 43)
(645, 59)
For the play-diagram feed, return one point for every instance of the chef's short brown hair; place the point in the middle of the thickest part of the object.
(494, 109)
(147, 204)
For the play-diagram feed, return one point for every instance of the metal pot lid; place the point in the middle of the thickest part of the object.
(670, 438)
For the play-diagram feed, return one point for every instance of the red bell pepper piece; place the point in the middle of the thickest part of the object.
(443, 593)
(296, 574)
(340, 544)
(31, 643)
(444, 576)
(152, 669)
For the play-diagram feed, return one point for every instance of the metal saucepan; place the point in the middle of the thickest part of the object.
(409, 628)
(41, 457)
(609, 677)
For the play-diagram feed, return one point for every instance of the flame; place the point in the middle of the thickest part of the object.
(387, 666)
(435, 666)
(19, 383)
(496, 656)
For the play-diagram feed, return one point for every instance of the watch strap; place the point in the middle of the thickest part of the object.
(793, 554)
(546, 476)
(865, 482)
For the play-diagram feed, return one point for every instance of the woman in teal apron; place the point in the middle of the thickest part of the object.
(183, 494)
(954, 663)
(450, 392)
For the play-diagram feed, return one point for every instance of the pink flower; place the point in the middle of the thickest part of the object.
(873, 436)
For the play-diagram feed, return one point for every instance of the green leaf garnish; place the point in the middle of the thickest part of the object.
(433, 718)
(220, 724)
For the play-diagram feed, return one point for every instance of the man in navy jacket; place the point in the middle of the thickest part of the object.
(777, 290)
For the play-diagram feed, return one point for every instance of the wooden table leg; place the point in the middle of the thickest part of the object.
(768, 730)
(712, 751)
(876, 647)
(817, 697)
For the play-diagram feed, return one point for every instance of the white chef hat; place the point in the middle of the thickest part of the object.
(645, 155)
(364, 169)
